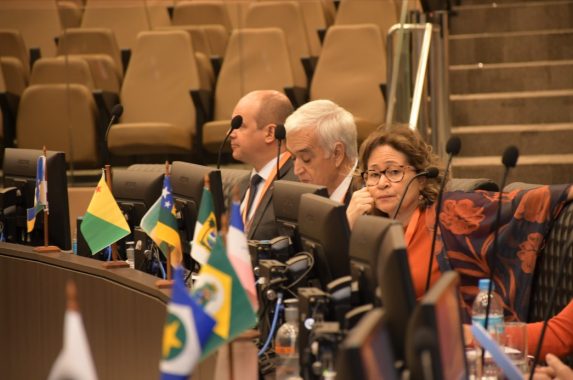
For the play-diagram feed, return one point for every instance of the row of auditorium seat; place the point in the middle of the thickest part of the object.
(350, 71)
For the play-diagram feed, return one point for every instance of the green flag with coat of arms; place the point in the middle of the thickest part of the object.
(219, 290)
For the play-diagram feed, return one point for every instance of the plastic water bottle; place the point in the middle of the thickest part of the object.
(286, 344)
(75, 243)
(130, 254)
(495, 325)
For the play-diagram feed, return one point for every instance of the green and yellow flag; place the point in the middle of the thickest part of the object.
(103, 223)
(219, 291)
(205, 229)
(160, 224)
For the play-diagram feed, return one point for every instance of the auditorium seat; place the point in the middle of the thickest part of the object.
(210, 39)
(288, 17)
(61, 117)
(256, 59)
(12, 45)
(199, 12)
(350, 70)
(37, 21)
(59, 70)
(316, 19)
(159, 116)
(98, 47)
(126, 18)
(548, 266)
(6, 113)
(71, 13)
(381, 13)
(237, 10)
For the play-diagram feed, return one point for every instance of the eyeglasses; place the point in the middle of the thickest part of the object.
(394, 173)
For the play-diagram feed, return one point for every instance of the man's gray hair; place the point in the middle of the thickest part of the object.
(331, 122)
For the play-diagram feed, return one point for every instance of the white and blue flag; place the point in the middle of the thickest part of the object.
(40, 195)
(187, 329)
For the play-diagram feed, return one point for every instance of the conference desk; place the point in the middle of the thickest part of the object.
(122, 309)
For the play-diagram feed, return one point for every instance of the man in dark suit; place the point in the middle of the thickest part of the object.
(254, 143)
(321, 136)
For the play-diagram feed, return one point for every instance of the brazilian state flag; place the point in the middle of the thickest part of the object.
(219, 291)
(160, 224)
(205, 229)
(187, 329)
(103, 223)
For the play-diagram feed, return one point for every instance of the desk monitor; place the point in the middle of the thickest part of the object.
(435, 342)
(366, 352)
(187, 181)
(325, 234)
(20, 171)
(135, 192)
(395, 283)
(365, 242)
(286, 202)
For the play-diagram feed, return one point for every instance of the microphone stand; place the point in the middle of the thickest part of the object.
(509, 160)
(431, 172)
(562, 264)
(280, 135)
(452, 148)
(236, 123)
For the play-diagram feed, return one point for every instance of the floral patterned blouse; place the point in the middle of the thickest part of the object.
(466, 236)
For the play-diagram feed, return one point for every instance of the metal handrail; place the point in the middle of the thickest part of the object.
(432, 56)
(391, 99)
(420, 76)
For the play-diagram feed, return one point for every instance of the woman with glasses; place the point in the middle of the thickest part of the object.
(391, 158)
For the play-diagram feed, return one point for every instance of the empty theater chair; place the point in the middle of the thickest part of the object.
(159, 116)
(61, 117)
(256, 59)
(350, 71)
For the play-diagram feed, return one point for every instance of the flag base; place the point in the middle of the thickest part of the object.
(47, 249)
(115, 264)
(164, 284)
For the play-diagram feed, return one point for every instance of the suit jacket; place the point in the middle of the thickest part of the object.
(263, 225)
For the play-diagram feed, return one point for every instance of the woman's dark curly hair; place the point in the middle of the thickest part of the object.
(418, 153)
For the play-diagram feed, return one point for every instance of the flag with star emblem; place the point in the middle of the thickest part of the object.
(103, 223)
(219, 290)
(187, 329)
(205, 229)
(160, 223)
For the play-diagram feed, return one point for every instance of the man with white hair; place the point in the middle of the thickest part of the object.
(321, 137)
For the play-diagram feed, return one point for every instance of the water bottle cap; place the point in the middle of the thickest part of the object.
(484, 284)
(291, 309)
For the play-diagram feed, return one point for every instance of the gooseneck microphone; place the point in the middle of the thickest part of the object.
(509, 160)
(431, 172)
(453, 147)
(564, 263)
(116, 113)
(280, 135)
(236, 123)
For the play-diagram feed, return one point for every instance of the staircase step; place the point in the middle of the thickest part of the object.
(533, 107)
(509, 77)
(491, 140)
(511, 17)
(545, 169)
(511, 47)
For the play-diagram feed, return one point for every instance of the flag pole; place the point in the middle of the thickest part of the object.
(168, 282)
(167, 173)
(115, 262)
(46, 248)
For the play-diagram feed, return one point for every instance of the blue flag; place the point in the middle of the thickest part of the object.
(187, 329)
(40, 195)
